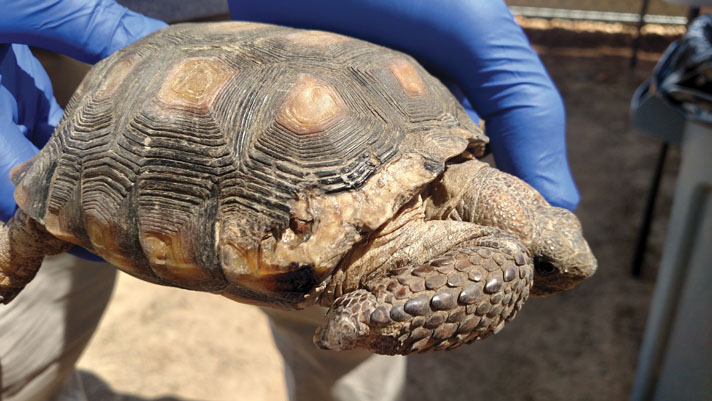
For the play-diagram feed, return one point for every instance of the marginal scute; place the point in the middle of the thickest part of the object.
(239, 257)
(311, 106)
(408, 77)
(17, 172)
(194, 82)
(22, 198)
(234, 263)
(171, 260)
(249, 271)
(103, 240)
(28, 194)
(98, 232)
(56, 225)
(155, 249)
(339, 219)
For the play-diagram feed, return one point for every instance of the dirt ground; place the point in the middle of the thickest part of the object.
(166, 344)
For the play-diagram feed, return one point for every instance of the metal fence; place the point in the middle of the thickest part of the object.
(628, 11)
(590, 15)
(656, 7)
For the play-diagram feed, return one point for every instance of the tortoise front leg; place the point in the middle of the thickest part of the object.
(474, 192)
(23, 245)
(452, 299)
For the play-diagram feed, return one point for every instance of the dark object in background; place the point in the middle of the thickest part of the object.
(683, 77)
(674, 361)
(174, 11)
(680, 89)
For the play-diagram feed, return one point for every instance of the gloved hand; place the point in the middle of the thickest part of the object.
(85, 30)
(476, 44)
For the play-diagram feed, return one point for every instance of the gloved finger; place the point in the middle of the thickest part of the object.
(85, 30)
(29, 101)
(550, 160)
(479, 45)
(537, 157)
(524, 112)
(16, 149)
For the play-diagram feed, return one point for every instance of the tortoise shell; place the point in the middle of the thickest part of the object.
(240, 158)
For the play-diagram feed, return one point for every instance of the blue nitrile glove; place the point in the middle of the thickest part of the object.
(85, 30)
(476, 44)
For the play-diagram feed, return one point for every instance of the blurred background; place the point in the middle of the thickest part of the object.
(159, 343)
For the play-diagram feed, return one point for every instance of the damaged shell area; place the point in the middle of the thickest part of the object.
(325, 228)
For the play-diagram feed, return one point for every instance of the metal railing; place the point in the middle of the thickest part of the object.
(589, 15)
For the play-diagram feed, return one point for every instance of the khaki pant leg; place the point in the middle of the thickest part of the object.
(317, 375)
(45, 329)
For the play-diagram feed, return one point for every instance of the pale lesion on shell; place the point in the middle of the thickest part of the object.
(233, 26)
(337, 222)
(237, 258)
(117, 75)
(311, 106)
(315, 38)
(195, 82)
(408, 77)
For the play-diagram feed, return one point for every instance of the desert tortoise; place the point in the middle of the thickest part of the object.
(287, 168)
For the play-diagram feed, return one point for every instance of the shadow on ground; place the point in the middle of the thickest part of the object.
(94, 388)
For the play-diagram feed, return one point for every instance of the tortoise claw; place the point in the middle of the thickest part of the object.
(346, 322)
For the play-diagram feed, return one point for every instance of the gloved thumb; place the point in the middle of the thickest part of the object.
(85, 30)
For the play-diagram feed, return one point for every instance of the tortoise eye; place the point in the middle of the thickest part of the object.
(543, 266)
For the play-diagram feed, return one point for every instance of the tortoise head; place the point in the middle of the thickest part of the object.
(562, 257)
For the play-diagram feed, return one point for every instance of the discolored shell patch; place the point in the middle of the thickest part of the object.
(311, 106)
(237, 259)
(172, 260)
(408, 77)
(233, 26)
(247, 266)
(116, 75)
(102, 236)
(334, 223)
(194, 82)
(22, 197)
(57, 225)
(315, 38)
